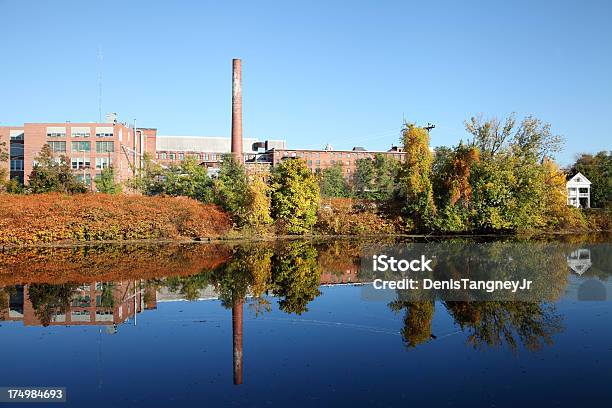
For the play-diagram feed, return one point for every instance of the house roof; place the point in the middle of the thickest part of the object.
(579, 179)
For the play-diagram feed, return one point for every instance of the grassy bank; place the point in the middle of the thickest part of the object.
(48, 218)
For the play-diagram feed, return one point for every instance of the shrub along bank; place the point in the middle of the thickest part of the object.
(54, 217)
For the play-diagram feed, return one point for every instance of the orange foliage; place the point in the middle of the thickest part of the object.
(59, 265)
(46, 218)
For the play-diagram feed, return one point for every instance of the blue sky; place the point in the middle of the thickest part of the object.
(346, 73)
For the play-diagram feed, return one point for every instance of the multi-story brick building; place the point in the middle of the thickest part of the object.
(325, 158)
(88, 147)
(209, 151)
(95, 303)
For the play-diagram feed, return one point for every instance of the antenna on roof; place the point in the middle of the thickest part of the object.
(100, 58)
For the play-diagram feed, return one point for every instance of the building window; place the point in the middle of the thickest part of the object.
(56, 134)
(16, 164)
(104, 134)
(86, 180)
(57, 147)
(181, 156)
(163, 156)
(81, 146)
(105, 147)
(79, 162)
(172, 156)
(103, 162)
(80, 134)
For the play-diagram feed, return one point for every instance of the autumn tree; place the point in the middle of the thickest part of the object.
(415, 182)
(53, 174)
(257, 204)
(295, 276)
(295, 196)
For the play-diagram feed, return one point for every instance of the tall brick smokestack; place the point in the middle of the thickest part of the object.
(237, 109)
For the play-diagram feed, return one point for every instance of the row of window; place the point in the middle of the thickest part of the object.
(101, 147)
(81, 163)
(77, 134)
(317, 164)
(181, 156)
(336, 155)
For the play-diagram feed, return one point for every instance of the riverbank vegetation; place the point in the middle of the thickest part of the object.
(502, 179)
(55, 217)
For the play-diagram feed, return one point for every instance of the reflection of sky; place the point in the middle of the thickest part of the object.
(342, 351)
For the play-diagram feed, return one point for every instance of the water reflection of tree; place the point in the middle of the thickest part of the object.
(496, 323)
(417, 320)
(295, 276)
(489, 323)
(49, 300)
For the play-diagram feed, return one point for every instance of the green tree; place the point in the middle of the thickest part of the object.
(52, 173)
(150, 180)
(295, 196)
(598, 169)
(415, 182)
(230, 188)
(364, 177)
(105, 182)
(188, 179)
(332, 182)
(376, 178)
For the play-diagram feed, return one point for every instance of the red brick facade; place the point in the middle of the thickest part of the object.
(88, 147)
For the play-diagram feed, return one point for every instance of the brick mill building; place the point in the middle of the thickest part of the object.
(91, 147)
(88, 147)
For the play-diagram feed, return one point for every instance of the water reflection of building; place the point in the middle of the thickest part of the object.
(579, 260)
(349, 275)
(11, 308)
(96, 303)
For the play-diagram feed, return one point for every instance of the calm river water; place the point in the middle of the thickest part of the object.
(299, 323)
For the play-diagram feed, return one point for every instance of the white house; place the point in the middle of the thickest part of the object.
(579, 191)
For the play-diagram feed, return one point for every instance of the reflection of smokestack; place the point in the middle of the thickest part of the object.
(237, 109)
(237, 332)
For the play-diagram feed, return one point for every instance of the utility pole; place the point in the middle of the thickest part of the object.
(134, 145)
(429, 127)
